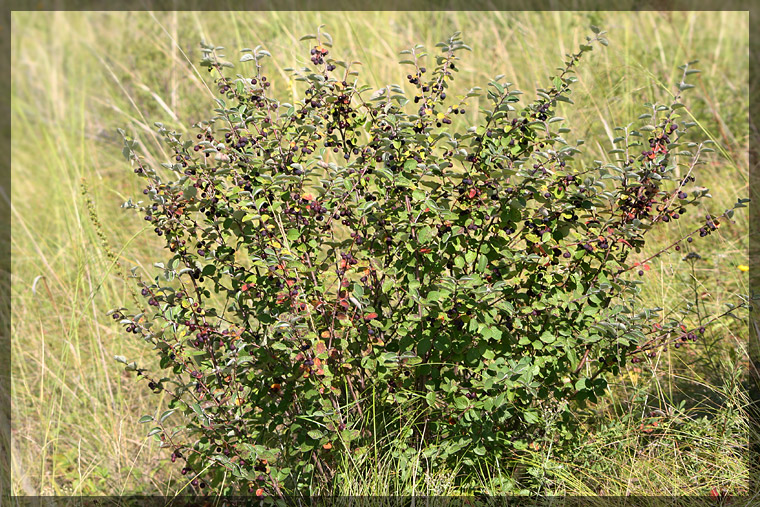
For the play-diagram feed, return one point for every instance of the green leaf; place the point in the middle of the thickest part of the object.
(165, 415)
(482, 263)
(424, 234)
(548, 337)
(198, 410)
(530, 417)
(424, 346)
(582, 384)
(349, 435)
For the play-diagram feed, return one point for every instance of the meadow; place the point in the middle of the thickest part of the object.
(79, 76)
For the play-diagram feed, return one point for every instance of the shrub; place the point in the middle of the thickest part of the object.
(352, 271)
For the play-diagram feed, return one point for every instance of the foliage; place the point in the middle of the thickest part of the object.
(351, 269)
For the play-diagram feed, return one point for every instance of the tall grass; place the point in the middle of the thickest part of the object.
(78, 76)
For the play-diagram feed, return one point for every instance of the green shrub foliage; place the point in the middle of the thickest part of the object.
(354, 271)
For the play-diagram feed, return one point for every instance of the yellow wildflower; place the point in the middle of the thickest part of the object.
(743, 267)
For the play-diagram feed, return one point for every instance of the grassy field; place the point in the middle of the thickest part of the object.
(77, 77)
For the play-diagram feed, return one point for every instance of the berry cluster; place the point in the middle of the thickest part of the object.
(318, 54)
